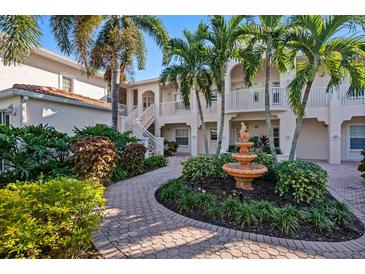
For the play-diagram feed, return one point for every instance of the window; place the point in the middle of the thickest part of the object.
(182, 136)
(275, 93)
(179, 104)
(357, 137)
(4, 118)
(214, 95)
(213, 134)
(276, 137)
(67, 84)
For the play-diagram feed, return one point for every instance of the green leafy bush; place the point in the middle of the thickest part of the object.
(301, 180)
(320, 220)
(155, 162)
(94, 158)
(171, 190)
(33, 150)
(121, 140)
(170, 148)
(233, 148)
(207, 200)
(188, 200)
(361, 167)
(205, 167)
(132, 159)
(50, 220)
(266, 160)
(247, 215)
(230, 206)
(119, 174)
(286, 219)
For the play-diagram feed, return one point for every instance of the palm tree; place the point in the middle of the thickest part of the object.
(191, 72)
(316, 37)
(118, 43)
(266, 44)
(19, 34)
(223, 36)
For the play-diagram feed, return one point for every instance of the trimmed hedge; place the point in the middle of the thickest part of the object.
(50, 220)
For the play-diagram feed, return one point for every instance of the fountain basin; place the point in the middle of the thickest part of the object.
(244, 175)
(244, 159)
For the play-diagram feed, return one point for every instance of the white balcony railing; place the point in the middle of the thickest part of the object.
(173, 108)
(318, 97)
(254, 99)
(350, 100)
(211, 109)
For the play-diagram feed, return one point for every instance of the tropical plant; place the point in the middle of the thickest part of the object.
(320, 220)
(33, 150)
(119, 41)
(266, 160)
(230, 206)
(286, 219)
(94, 158)
(266, 47)
(132, 159)
(19, 34)
(265, 209)
(188, 200)
(301, 180)
(52, 220)
(121, 140)
(171, 190)
(207, 200)
(170, 148)
(222, 36)
(155, 162)
(246, 215)
(187, 69)
(324, 51)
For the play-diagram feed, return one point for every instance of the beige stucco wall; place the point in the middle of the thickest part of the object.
(39, 70)
(313, 140)
(212, 143)
(168, 132)
(259, 80)
(64, 117)
(255, 128)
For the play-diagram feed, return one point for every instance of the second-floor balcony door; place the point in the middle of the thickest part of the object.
(275, 94)
(147, 101)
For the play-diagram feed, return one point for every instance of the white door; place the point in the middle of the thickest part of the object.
(147, 101)
(182, 139)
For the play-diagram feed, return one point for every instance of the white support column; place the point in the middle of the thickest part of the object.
(287, 122)
(334, 130)
(194, 138)
(129, 100)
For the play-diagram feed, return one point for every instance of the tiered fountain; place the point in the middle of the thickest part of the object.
(244, 171)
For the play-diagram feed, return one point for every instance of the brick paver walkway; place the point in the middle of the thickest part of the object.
(137, 226)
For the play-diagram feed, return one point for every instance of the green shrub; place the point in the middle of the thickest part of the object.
(155, 162)
(132, 159)
(266, 160)
(301, 180)
(320, 220)
(246, 215)
(94, 158)
(119, 174)
(171, 190)
(170, 148)
(286, 219)
(233, 148)
(33, 150)
(361, 167)
(50, 220)
(205, 167)
(207, 200)
(121, 140)
(189, 200)
(265, 209)
(213, 212)
(230, 206)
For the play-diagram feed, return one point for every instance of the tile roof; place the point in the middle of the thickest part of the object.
(51, 91)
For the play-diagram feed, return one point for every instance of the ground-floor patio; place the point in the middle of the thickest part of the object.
(137, 226)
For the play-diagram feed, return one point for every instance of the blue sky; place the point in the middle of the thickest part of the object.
(174, 25)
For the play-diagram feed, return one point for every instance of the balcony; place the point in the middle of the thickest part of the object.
(254, 100)
(174, 108)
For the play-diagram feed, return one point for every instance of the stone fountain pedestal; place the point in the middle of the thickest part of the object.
(244, 171)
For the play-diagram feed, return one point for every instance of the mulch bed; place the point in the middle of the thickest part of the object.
(263, 190)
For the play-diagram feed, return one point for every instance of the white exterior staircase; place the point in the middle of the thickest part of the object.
(138, 122)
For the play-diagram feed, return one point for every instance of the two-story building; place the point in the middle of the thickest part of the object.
(53, 89)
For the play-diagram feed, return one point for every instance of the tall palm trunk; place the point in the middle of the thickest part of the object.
(299, 121)
(269, 129)
(200, 111)
(115, 94)
(223, 110)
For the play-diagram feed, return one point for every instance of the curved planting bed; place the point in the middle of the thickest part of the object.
(266, 210)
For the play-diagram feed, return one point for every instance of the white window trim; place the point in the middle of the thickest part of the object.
(189, 140)
(349, 137)
(66, 75)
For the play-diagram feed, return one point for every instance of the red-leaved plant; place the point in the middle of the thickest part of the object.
(132, 159)
(94, 158)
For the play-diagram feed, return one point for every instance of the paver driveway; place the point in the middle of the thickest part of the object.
(137, 226)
